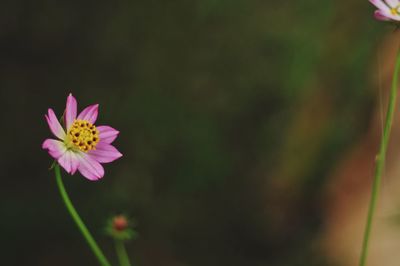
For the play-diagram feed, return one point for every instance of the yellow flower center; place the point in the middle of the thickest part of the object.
(395, 10)
(83, 135)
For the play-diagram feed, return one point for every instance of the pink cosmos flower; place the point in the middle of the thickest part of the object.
(388, 10)
(81, 146)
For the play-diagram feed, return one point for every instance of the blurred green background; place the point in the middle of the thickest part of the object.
(232, 115)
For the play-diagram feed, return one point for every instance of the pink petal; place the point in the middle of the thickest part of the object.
(383, 15)
(392, 3)
(380, 4)
(70, 111)
(54, 125)
(107, 134)
(90, 168)
(90, 113)
(105, 153)
(69, 161)
(55, 148)
(379, 15)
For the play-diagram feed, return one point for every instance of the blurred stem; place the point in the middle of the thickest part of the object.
(121, 253)
(380, 161)
(75, 216)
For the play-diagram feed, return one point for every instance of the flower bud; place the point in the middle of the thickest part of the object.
(120, 223)
(120, 227)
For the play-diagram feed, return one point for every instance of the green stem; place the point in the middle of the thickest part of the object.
(75, 216)
(121, 252)
(380, 161)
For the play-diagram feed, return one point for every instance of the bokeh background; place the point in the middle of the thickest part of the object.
(233, 116)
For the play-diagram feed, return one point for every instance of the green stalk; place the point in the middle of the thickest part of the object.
(75, 216)
(380, 161)
(121, 253)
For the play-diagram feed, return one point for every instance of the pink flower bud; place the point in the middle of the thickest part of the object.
(120, 223)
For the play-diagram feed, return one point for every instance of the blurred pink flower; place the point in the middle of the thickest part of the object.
(388, 10)
(81, 146)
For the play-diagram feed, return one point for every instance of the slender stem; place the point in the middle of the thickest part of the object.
(380, 161)
(75, 216)
(121, 252)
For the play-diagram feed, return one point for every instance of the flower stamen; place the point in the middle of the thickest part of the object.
(83, 135)
(395, 10)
